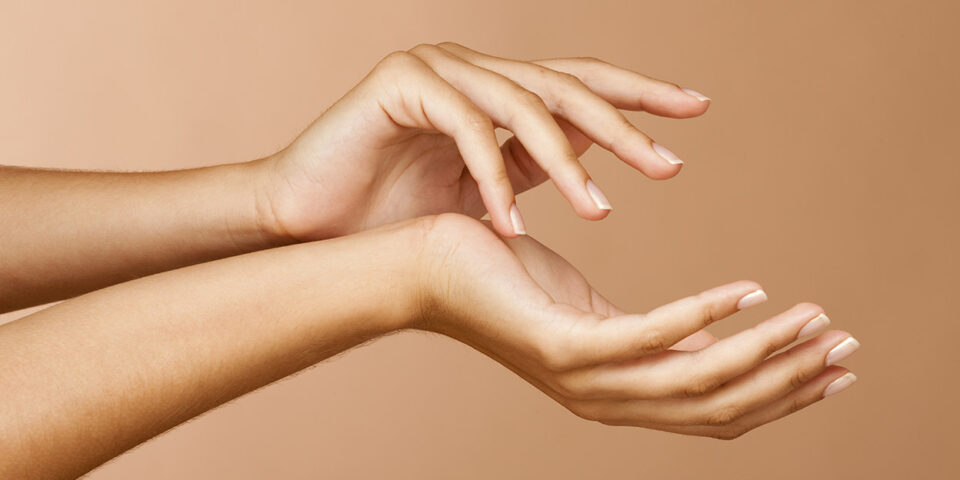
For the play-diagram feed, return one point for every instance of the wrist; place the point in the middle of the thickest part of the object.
(387, 267)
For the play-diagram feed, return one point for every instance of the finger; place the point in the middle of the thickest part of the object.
(568, 97)
(631, 90)
(696, 341)
(424, 100)
(523, 113)
(628, 337)
(773, 379)
(697, 373)
(831, 381)
(523, 169)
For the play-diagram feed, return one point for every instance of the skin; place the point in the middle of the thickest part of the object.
(209, 283)
(427, 146)
(90, 378)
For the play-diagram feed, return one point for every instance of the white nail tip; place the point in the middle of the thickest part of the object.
(840, 384)
(696, 94)
(667, 155)
(598, 197)
(517, 221)
(843, 350)
(755, 297)
(815, 325)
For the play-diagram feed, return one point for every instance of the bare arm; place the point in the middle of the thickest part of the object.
(85, 380)
(66, 233)
(414, 137)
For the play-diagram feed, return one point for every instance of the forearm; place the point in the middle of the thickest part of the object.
(66, 233)
(89, 378)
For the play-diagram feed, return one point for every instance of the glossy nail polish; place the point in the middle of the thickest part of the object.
(843, 350)
(696, 94)
(840, 384)
(755, 297)
(667, 155)
(598, 197)
(517, 220)
(815, 325)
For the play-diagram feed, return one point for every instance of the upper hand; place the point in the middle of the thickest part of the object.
(416, 137)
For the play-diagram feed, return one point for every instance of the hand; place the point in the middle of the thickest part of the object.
(527, 308)
(416, 137)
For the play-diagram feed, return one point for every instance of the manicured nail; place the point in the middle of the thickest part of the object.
(813, 326)
(840, 384)
(598, 197)
(842, 351)
(667, 154)
(696, 94)
(755, 297)
(517, 220)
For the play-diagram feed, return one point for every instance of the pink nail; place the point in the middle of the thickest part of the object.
(598, 197)
(696, 94)
(755, 297)
(517, 220)
(818, 323)
(667, 155)
(843, 350)
(840, 384)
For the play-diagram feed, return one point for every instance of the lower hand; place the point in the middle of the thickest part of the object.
(527, 308)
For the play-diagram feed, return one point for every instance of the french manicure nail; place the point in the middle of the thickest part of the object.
(598, 197)
(818, 323)
(755, 297)
(843, 350)
(667, 154)
(840, 384)
(695, 94)
(517, 220)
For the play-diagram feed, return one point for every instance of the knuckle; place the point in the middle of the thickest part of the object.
(449, 44)
(477, 121)
(699, 385)
(707, 309)
(529, 100)
(653, 341)
(422, 49)
(588, 59)
(397, 60)
(724, 415)
(798, 378)
(796, 405)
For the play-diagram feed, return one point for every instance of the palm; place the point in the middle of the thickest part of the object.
(520, 278)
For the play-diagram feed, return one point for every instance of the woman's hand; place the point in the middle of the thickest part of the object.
(530, 310)
(416, 137)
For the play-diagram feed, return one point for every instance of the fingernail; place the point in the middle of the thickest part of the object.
(755, 297)
(667, 154)
(696, 94)
(840, 384)
(842, 351)
(517, 220)
(818, 323)
(598, 197)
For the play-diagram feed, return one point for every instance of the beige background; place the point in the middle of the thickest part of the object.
(826, 169)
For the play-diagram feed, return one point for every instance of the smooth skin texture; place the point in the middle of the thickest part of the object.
(94, 376)
(415, 137)
(89, 378)
(428, 117)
